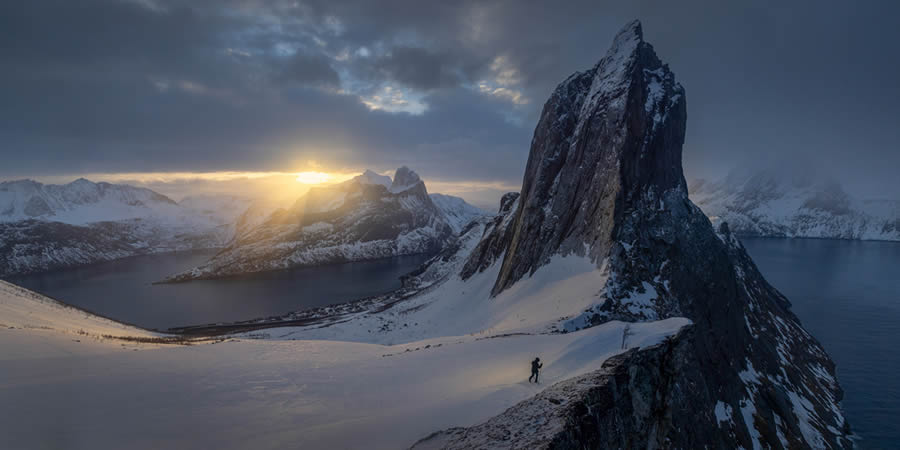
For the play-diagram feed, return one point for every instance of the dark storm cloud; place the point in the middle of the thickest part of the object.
(159, 85)
(308, 69)
(418, 68)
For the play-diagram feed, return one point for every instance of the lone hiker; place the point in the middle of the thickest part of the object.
(535, 368)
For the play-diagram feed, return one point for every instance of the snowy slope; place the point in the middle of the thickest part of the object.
(35, 326)
(456, 211)
(767, 203)
(367, 217)
(264, 394)
(80, 202)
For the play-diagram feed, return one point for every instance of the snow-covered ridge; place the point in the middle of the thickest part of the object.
(45, 227)
(457, 211)
(370, 177)
(83, 202)
(79, 202)
(770, 204)
(368, 217)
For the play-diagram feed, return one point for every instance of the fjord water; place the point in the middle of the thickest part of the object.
(123, 290)
(847, 294)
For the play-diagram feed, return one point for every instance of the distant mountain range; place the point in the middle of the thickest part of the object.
(767, 203)
(47, 227)
(368, 217)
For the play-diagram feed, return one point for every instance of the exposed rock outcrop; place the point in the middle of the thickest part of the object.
(637, 399)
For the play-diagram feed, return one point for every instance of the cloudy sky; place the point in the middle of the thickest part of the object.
(450, 88)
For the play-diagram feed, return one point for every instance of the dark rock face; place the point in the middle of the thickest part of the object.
(606, 137)
(404, 177)
(496, 235)
(604, 179)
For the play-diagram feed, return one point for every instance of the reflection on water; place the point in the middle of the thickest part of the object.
(847, 294)
(123, 289)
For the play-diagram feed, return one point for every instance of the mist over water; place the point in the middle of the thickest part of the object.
(847, 294)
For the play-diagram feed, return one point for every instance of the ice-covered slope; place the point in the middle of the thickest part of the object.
(368, 217)
(766, 203)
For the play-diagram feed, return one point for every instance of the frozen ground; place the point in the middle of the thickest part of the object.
(62, 385)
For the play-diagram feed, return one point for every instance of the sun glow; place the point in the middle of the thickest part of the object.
(314, 177)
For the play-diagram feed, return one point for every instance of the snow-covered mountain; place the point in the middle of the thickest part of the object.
(79, 202)
(370, 216)
(767, 203)
(457, 212)
(45, 227)
(602, 232)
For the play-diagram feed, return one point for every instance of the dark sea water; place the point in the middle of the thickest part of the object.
(123, 289)
(847, 294)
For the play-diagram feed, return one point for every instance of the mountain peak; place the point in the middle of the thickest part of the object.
(373, 178)
(627, 39)
(404, 179)
(604, 182)
(607, 139)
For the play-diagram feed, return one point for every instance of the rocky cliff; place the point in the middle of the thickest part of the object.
(630, 402)
(604, 180)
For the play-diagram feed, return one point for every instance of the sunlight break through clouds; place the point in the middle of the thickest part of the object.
(393, 99)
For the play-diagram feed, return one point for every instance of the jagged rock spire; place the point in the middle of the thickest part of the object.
(605, 137)
(604, 180)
